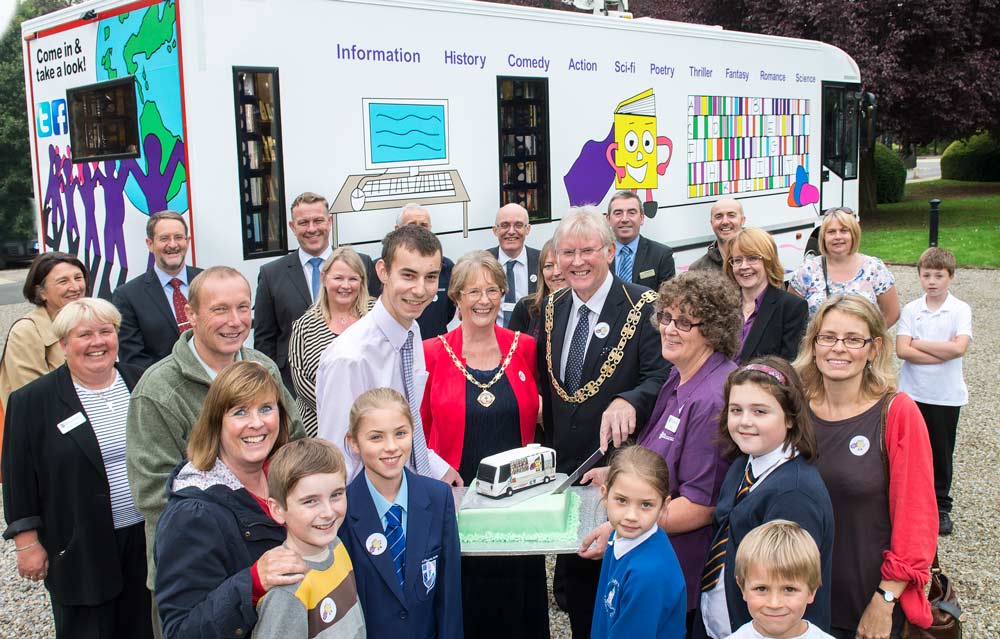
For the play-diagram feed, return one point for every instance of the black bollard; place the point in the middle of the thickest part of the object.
(935, 205)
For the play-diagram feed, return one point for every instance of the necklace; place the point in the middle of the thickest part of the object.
(485, 398)
(103, 394)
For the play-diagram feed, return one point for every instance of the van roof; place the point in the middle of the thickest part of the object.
(508, 456)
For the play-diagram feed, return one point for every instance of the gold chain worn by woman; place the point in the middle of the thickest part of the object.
(486, 398)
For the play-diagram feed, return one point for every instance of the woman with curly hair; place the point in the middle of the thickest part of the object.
(698, 317)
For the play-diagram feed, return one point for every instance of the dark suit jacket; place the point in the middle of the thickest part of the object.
(283, 295)
(413, 610)
(532, 268)
(574, 429)
(653, 263)
(149, 330)
(778, 328)
(57, 484)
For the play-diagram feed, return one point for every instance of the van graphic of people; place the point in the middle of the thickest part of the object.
(634, 154)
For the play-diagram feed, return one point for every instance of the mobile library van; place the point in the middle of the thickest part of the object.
(224, 110)
(505, 473)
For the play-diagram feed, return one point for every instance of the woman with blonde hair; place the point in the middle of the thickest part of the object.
(773, 319)
(874, 456)
(842, 270)
(343, 299)
(527, 314)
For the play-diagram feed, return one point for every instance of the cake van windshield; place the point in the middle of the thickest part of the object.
(504, 473)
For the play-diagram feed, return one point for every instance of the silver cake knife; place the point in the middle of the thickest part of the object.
(578, 473)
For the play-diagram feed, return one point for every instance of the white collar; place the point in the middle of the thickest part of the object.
(165, 277)
(622, 546)
(305, 257)
(394, 332)
(947, 305)
(766, 464)
(596, 301)
(522, 256)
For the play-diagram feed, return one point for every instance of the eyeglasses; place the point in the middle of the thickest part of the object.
(517, 226)
(477, 294)
(751, 260)
(164, 239)
(585, 253)
(854, 343)
(682, 323)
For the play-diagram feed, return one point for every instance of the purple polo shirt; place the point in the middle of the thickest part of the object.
(687, 444)
(748, 324)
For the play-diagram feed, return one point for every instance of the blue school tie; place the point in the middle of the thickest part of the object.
(717, 553)
(315, 263)
(397, 540)
(419, 452)
(511, 296)
(625, 264)
(577, 349)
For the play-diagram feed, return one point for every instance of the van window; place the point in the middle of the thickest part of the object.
(486, 473)
(523, 115)
(258, 151)
(504, 473)
(103, 120)
(840, 130)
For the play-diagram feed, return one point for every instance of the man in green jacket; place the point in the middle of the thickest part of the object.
(167, 400)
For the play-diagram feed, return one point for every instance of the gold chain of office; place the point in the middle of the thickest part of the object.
(591, 388)
(485, 398)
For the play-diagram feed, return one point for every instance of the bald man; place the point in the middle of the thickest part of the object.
(726, 218)
(520, 262)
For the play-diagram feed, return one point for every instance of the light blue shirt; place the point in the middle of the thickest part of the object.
(634, 245)
(382, 505)
(168, 290)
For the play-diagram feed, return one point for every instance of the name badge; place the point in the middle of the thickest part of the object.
(673, 423)
(70, 423)
(507, 307)
(650, 273)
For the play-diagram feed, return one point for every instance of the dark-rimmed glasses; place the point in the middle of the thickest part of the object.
(683, 324)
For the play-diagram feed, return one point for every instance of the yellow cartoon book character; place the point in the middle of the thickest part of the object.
(633, 155)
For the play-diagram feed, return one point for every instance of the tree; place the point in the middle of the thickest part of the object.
(16, 190)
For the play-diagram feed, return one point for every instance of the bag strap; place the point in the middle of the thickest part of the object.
(882, 432)
(826, 275)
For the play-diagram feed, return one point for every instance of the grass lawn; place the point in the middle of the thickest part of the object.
(969, 223)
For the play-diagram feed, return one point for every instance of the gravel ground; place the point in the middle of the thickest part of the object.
(970, 556)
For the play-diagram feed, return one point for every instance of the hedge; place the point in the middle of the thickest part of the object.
(974, 160)
(890, 175)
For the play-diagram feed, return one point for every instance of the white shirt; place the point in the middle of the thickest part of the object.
(307, 269)
(520, 282)
(596, 305)
(747, 631)
(208, 369)
(941, 384)
(168, 290)
(622, 546)
(366, 356)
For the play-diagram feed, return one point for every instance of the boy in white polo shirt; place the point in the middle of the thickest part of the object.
(932, 335)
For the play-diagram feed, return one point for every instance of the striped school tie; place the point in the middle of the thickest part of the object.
(397, 541)
(717, 553)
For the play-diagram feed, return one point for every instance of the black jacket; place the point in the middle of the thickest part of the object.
(532, 268)
(57, 484)
(653, 263)
(778, 328)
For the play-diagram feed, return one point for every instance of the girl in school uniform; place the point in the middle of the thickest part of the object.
(641, 589)
(400, 529)
(766, 431)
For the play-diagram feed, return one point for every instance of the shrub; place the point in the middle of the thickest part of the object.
(974, 160)
(890, 175)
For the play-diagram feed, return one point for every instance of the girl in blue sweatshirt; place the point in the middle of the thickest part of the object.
(641, 590)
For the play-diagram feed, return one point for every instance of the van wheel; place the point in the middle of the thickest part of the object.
(546, 479)
(510, 491)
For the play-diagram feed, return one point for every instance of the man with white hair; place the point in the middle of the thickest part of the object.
(599, 364)
(435, 318)
(726, 218)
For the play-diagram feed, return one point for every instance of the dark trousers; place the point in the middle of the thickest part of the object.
(942, 426)
(579, 578)
(127, 616)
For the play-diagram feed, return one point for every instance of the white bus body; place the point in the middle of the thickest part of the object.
(505, 473)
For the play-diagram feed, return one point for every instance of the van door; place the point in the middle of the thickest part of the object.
(839, 143)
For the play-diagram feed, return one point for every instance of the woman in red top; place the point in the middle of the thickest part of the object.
(481, 398)
(885, 513)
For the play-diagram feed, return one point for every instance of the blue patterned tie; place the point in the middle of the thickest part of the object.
(397, 540)
(511, 295)
(625, 264)
(315, 263)
(419, 453)
(577, 349)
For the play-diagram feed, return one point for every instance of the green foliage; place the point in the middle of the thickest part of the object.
(16, 214)
(890, 175)
(974, 160)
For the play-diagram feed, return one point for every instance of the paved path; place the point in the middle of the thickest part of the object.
(928, 168)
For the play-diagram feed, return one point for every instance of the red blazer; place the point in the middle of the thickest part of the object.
(443, 407)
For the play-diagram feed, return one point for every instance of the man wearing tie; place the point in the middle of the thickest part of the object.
(520, 262)
(152, 304)
(289, 285)
(638, 259)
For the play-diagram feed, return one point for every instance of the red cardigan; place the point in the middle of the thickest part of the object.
(443, 406)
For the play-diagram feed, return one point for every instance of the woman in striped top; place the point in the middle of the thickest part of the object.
(343, 299)
(66, 495)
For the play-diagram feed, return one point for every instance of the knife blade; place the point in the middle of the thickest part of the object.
(578, 473)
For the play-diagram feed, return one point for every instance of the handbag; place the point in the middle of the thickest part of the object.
(946, 613)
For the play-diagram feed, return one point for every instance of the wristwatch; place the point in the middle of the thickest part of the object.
(887, 595)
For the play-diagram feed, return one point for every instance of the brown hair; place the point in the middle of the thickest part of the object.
(879, 376)
(41, 266)
(624, 194)
(307, 197)
(413, 238)
(710, 297)
(754, 241)
(782, 549)
(468, 266)
(542, 290)
(644, 463)
(299, 459)
(156, 218)
(788, 393)
(350, 257)
(211, 273)
(375, 399)
(939, 259)
(239, 383)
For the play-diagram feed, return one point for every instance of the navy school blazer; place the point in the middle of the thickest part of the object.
(417, 610)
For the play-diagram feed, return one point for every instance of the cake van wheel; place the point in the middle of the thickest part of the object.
(510, 491)
(546, 479)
